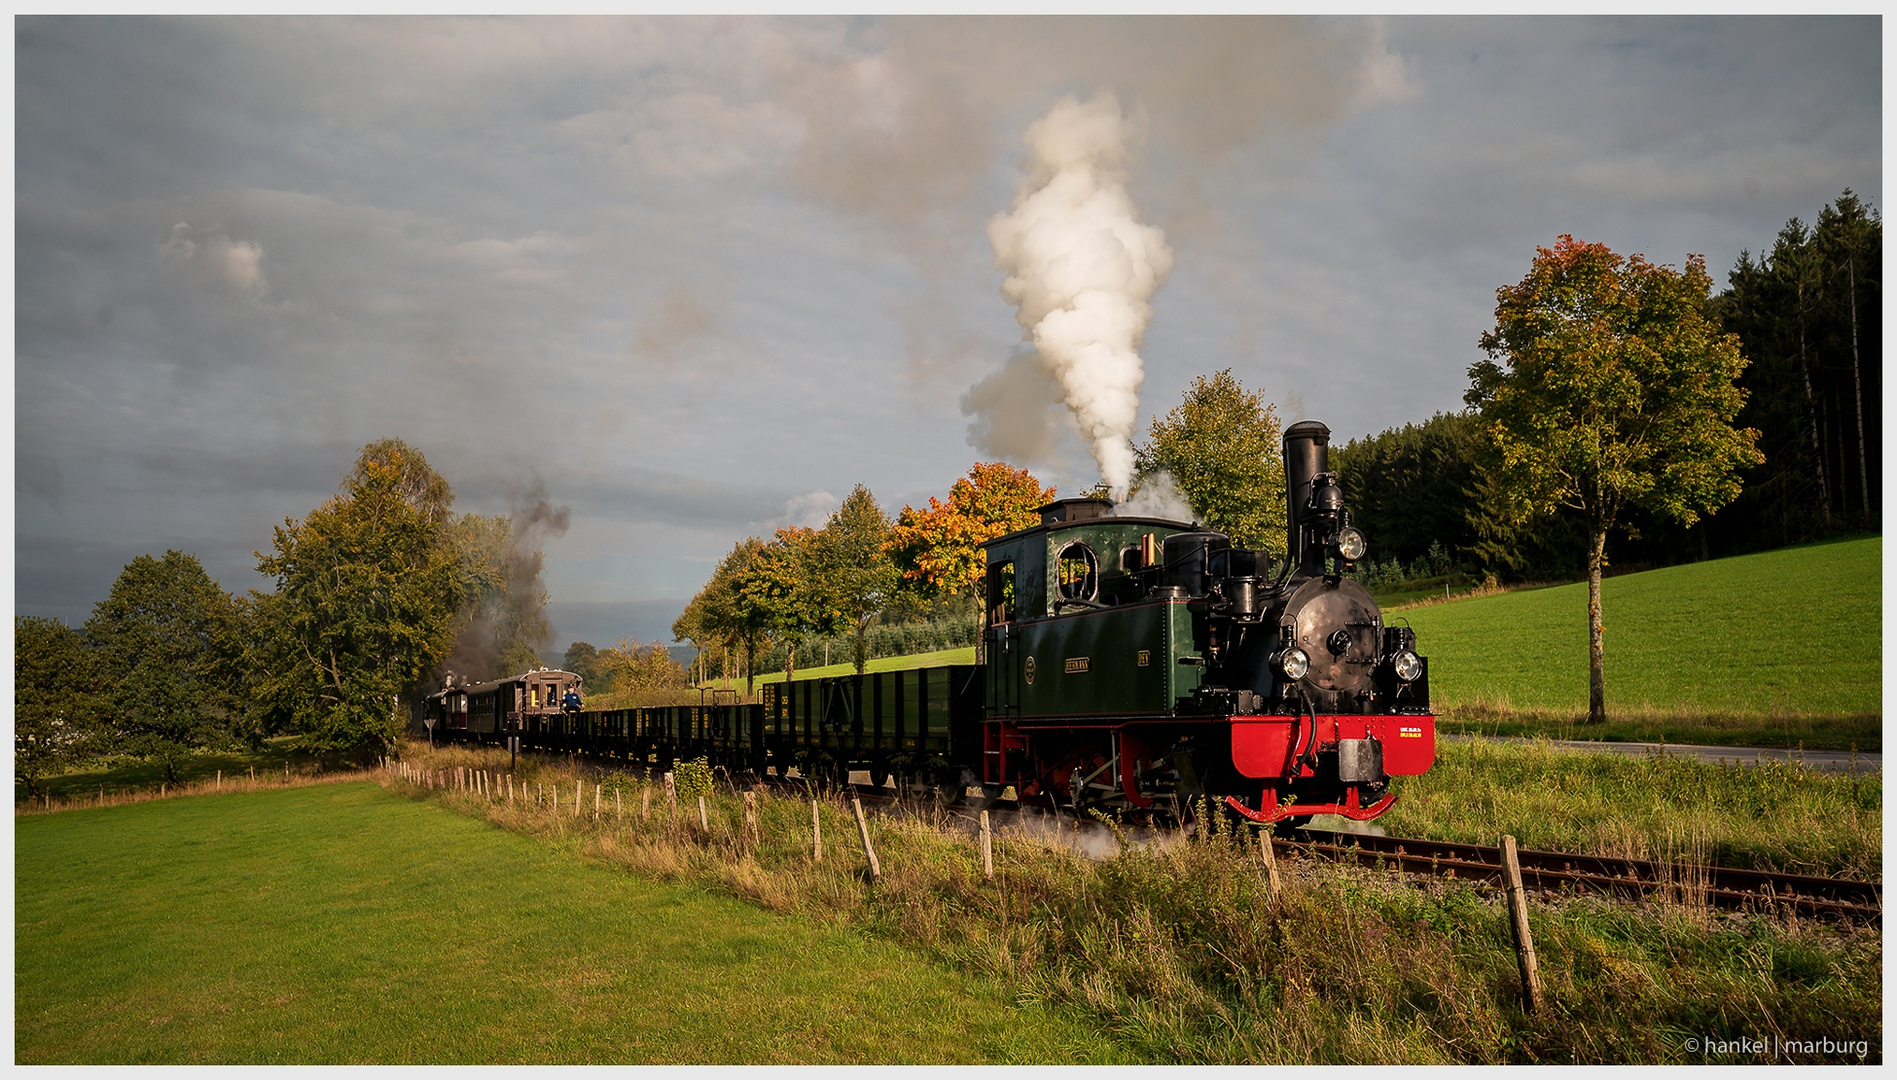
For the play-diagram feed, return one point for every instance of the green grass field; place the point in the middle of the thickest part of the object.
(342, 923)
(1796, 632)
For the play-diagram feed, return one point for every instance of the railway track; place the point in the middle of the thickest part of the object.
(1545, 871)
(1719, 886)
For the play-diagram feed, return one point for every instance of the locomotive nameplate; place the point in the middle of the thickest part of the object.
(1027, 671)
(1078, 665)
(1146, 657)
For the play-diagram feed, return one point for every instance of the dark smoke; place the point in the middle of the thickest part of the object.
(508, 626)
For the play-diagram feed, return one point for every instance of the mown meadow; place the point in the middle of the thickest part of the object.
(337, 922)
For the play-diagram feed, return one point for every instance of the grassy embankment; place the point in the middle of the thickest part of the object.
(340, 923)
(965, 655)
(1775, 816)
(1782, 648)
(1180, 950)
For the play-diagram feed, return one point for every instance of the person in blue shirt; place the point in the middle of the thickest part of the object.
(571, 703)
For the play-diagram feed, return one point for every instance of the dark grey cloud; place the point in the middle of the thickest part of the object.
(702, 275)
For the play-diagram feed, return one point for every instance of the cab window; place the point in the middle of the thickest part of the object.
(1079, 572)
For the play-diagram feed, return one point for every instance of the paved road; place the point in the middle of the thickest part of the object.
(1827, 760)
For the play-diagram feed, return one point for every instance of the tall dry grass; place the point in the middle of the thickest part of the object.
(1180, 951)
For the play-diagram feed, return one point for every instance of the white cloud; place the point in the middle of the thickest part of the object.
(235, 265)
(811, 509)
(1384, 75)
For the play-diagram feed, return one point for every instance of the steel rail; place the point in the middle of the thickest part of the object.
(1720, 886)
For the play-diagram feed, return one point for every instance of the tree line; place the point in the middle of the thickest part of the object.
(379, 593)
(804, 585)
(1807, 317)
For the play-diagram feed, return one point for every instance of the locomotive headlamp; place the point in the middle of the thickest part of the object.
(1293, 663)
(1350, 544)
(1408, 667)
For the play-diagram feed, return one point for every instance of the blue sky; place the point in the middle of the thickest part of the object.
(700, 277)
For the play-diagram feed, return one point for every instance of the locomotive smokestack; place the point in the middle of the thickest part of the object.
(1306, 453)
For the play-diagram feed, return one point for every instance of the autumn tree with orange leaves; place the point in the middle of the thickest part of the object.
(1615, 389)
(938, 550)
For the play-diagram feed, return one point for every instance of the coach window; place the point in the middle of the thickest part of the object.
(1001, 593)
(1079, 572)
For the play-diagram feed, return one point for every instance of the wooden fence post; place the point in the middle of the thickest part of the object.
(1268, 853)
(704, 822)
(750, 819)
(220, 779)
(816, 833)
(645, 803)
(619, 810)
(1518, 922)
(555, 788)
(987, 849)
(510, 787)
(596, 797)
(862, 826)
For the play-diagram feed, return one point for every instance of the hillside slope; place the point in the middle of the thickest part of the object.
(1790, 632)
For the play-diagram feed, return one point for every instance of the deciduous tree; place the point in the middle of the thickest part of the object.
(1615, 389)
(367, 590)
(938, 552)
(718, 614)
(855, 575)
(1222, 447)
(645, 674)
(587, 662)
(783, 587)
(57, 700)
(170, 646)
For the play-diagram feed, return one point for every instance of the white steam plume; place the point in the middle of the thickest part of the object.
(1158, 496)
(1081, 271)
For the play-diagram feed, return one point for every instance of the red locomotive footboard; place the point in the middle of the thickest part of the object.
(1280, 750)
